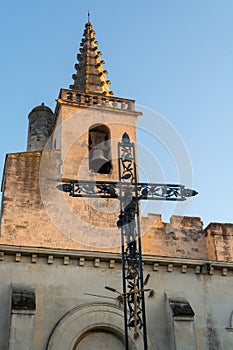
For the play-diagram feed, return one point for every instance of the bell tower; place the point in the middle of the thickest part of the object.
(90, 120)
(77, 141)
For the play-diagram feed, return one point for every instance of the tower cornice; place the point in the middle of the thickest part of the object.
(94, 100)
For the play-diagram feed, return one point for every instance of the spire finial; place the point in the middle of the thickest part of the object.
(90, 76)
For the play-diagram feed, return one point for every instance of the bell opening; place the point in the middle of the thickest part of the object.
(99, 149)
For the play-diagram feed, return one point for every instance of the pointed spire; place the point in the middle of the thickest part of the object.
(90, 76)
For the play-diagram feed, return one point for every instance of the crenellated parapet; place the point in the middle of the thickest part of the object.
(185, 237)
(219, 241)
(182, 237)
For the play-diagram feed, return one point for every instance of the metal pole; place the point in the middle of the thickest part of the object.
(140, 256)
(123, 257)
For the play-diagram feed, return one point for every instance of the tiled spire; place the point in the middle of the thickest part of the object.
(90, 76)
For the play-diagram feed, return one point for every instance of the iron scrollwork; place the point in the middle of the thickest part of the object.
(91, 189)
(146, 191)
(126, 160)
(169, 192)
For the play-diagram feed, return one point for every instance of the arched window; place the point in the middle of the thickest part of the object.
(99, 149)
(69, 96)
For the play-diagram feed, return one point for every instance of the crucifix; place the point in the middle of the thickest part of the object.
(130, 192)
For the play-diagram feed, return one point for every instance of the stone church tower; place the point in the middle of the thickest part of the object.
(57, 253)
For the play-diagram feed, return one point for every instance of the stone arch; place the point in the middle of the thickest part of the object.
(90, 323)
(100, 337)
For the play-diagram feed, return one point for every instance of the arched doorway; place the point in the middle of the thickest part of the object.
(89, 326)
(99, 339)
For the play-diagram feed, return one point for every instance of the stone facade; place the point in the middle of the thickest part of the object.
(57, 252)
(67, 284)
(30, 217)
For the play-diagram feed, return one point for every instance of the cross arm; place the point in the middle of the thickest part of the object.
(111, 189)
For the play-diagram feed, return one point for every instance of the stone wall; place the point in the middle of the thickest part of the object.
(66, 284)
(36, 212)
(24, 217)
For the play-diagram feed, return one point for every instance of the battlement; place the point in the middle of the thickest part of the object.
(182, 237)
(219, 241)
(185, 237)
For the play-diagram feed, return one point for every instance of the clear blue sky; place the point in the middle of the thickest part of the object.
(174, 57)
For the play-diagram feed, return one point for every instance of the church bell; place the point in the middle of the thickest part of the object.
(98, 162)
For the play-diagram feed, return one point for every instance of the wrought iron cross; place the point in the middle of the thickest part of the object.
(130, 192)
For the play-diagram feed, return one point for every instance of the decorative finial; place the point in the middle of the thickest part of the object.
(125, 138)
(90, 76)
